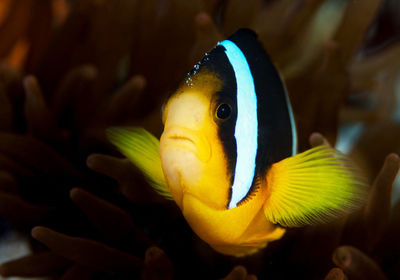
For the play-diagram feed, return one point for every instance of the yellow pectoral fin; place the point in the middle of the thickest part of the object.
(313, 187)
(141, 148)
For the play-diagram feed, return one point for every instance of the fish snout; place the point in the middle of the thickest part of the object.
(188, 139)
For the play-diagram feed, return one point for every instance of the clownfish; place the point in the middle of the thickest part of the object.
(227, 155)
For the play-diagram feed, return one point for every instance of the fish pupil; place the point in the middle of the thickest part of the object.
(224, 111)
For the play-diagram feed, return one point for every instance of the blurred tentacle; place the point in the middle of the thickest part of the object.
(157, 265)
(377, 211)
(326, 86)
(6, 110)
(124, 101)
(335, 274)
(213, 7)
(355, 22)
(11, 96)
(239, 273)
(238, 14)
(39, 33)
(271, 21)
(364, 72)
(77, 82)
(8, 182)
(114, 223)
(207, 36)
(301, 20)
(309, 38)
(365, 229)
(39, 264)
(386, 92)
(31, 152)
(40, 121)
(356, 265)
(22, 214)
(129, 178)
(316, 139)
(15, 25)
(10, 165)
(334, 78)
(78, 272)
(375, 77)
(87, 252)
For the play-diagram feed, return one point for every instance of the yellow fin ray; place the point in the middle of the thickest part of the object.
(313, 187)
(141, 148)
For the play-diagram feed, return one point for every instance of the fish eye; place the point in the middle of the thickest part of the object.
(224, 111)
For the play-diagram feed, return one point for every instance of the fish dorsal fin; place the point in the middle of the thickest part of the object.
(141, 148)
(313, 187)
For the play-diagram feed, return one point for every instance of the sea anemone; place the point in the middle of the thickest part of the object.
(70, 69)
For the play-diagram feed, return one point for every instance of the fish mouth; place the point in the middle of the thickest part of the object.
(181, 138)
(188, 139)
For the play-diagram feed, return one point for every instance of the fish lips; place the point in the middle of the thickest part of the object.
(188, 139)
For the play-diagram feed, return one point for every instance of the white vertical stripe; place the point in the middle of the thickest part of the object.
(246, 129)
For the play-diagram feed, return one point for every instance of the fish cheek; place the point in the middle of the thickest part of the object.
(182, 170)
(216, 177)
(215, 183)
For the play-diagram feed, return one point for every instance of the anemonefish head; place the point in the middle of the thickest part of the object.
(226, 124)
(191, 150)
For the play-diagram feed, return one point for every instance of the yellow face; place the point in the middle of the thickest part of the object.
(192, 155)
